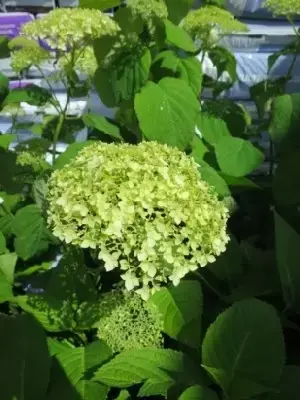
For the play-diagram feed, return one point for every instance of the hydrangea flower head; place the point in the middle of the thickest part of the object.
(200, 23)
(26, 57)
(127, 322)
(70, 27)
(288, 8)
(84, 61)
(145, 208)
(149, 9)
(35, 161)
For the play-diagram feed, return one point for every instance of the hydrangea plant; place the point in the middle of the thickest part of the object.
(145, 208)
(127, 322)
(288, 8)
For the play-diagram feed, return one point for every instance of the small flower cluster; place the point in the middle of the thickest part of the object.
(202, 22)
(148, 9)
(34, 161)
(127, 322)
(26, 57)
(84, 61)
(144, 207)
(63, 28)
(288, 8)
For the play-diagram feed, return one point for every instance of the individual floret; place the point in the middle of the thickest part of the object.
(127, 322)
(145, 208)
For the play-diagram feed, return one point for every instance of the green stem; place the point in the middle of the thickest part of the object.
(212, 289)
(271, 155)
(56, 134)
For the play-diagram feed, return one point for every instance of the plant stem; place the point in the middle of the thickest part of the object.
(213, 289)
(271, 155)
(56, 135)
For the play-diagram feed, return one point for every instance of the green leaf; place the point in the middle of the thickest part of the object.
(4, 48)
(285, 118)
(237, 157)
(291, 48)
(181, 314)
(263, 92)
(224, 61)
(32, 234)
(3, 248)
(198, 393)
(155, 367)
(178, 37)
(6, 139)
(71, 152)
(243, 350)
(7, 269)
(198, 149)
(122, 80)
(101, 124)
(167, 112)
(168, 63)
(178, 9)
(8, 172)
(56, 347)
(33, 269)
(77, 364)
(25, 362)
(212, 129)
(4, 84)
(31, 94)
(211, 176)
(288, 253)
(286, 188)
(99, 4)
(128, 21)
(124, 395)
(69, 301)
(235, 115)
(288, 387)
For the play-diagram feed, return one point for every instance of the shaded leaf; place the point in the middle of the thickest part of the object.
(31, 94)
(71, 152)
(6, 139)
(178, 37)
(181, 313)
(198, 393)
(178, 9)
(212, 129)
(243, 350)
(101, 124)
(7, 269)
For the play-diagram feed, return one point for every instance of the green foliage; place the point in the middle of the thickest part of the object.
(181, 314)
(198, 393)
(101, 124)
(252, 360)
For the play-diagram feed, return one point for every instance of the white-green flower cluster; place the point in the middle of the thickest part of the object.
(36, 162)
(127, 322)
(26, 57)
(63, 28)
(288, 8)
(148, 9)
(144, 207)
(211, 20)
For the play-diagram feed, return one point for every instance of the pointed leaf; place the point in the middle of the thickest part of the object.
(6, 139)
(178, 9)
(212, 129)
(288, 253)
(70, 153)
(178, 37)
(25, 361)
(198, 393)
(243, 350)
(167, 112)
(32, 234)
(31, 94)
(237, 157)
(211, 176)
(7, 269)
(181, 314)
(101, 124)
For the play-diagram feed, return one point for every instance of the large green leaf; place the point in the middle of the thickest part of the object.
(243, 350)
(167, 112)
(168, 63)
(32, 234)
(7, 269)
(178, 9)
(237, 157)
(288, 387)
(212, 129)
(6, 139)
(181, 313)
(101, 124)
(71, 152)
(122, 80)
(77, 365)
(25, 361)
(157, 368)
(69, 301)
(288, 253)
(286, 188)
(99, 4)
(31, 94)
(198, 393)
(178, 37)
(211, 176)
(198, 149)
